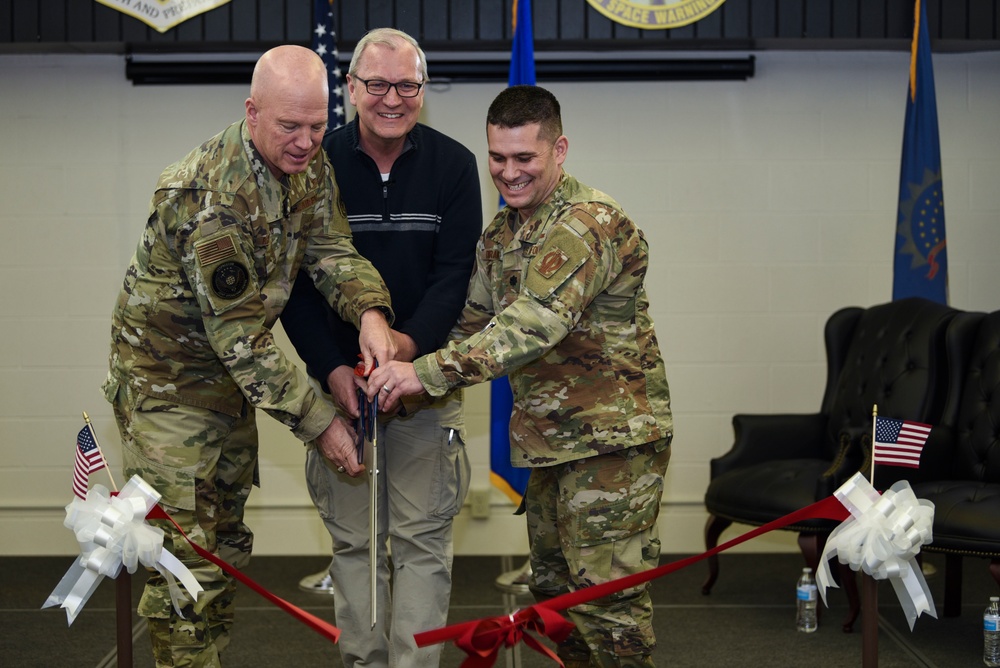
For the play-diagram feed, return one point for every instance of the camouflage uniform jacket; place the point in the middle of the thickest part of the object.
(559, 304)
(212, 272)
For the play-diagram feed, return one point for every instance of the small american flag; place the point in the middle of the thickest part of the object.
(324, 43)
(899, 442)
(88, 460)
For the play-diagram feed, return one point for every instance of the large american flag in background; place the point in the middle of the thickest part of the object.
(325, 44)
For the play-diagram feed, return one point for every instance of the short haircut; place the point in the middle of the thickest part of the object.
(392, 39)
(523, 105)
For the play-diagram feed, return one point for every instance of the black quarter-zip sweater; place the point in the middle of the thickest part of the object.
(419, 228)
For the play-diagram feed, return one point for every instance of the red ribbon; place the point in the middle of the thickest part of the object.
(315, 623)
(482, 639)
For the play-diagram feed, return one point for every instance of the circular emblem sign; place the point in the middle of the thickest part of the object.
(656, 14)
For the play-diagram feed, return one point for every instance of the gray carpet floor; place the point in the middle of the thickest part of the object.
(748, 620)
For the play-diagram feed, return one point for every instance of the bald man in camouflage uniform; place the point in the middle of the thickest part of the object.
(192, 351)
(557, 302)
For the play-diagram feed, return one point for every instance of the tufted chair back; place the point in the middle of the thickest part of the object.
(960, 465)
(891, 363)
(977, 428)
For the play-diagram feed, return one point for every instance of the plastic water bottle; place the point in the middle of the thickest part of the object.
(991, 633)
(806, 595)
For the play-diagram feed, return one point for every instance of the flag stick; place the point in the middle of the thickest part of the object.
(123, 582)
(871, 478)
(869, 591)
(86, 418)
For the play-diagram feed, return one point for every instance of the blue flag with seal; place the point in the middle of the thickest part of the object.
(522, 52)
(921, 262)
(509, 480)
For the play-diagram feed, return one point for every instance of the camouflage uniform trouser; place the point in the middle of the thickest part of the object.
(590, 521)
(204, 464)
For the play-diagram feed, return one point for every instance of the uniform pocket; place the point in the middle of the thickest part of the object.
(624, 500)
(319, 481)
(451, 480)
(176, 484)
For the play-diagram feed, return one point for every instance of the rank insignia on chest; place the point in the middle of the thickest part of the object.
(551, 262)
(230, 280)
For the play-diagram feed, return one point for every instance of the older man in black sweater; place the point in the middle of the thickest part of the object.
(414, 205)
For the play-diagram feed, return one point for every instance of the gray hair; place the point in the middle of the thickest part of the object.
(390, 38)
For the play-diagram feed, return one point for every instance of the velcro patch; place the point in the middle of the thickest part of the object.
(230, 280)
(215, 250)
(551, 262)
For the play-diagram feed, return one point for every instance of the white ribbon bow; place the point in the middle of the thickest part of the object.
(883, 537)
(112, 533)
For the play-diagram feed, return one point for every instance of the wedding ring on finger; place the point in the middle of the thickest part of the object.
(340, 469)
(386, 389)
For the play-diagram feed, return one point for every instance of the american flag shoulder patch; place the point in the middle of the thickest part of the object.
(212, 251)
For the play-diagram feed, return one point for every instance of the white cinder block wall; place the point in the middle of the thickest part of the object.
(768, 204)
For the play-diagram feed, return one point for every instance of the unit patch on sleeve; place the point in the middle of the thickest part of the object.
(230, 280)
(559, 257)
(551, 262)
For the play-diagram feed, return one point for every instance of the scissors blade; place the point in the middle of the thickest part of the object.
(373, 515)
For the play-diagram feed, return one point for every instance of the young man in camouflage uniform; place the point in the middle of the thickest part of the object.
(192, 354)
(557, 302)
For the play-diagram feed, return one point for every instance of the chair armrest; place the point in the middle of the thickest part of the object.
(849, 458)
(761, 438)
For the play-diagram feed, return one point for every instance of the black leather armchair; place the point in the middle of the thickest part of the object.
(960, 464)
(889, 355)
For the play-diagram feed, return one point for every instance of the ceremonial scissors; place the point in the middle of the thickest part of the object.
(366, 428)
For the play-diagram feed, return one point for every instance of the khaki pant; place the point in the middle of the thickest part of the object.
(423, 480)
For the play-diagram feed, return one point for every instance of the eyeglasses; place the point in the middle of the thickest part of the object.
(380, 88)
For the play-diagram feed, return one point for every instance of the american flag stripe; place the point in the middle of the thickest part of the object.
(216, 250)
(900, 449)
(80, 483)
(88, 460)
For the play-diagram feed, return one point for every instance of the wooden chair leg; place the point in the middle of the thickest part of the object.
(849, 583)
(713, 529)
(953, 585)
(811, 545)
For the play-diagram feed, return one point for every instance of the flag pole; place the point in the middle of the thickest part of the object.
(871, 477)
(90, 427)
(869, 590)
(123, 582)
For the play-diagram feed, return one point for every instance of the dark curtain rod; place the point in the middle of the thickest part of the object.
(142, 69)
